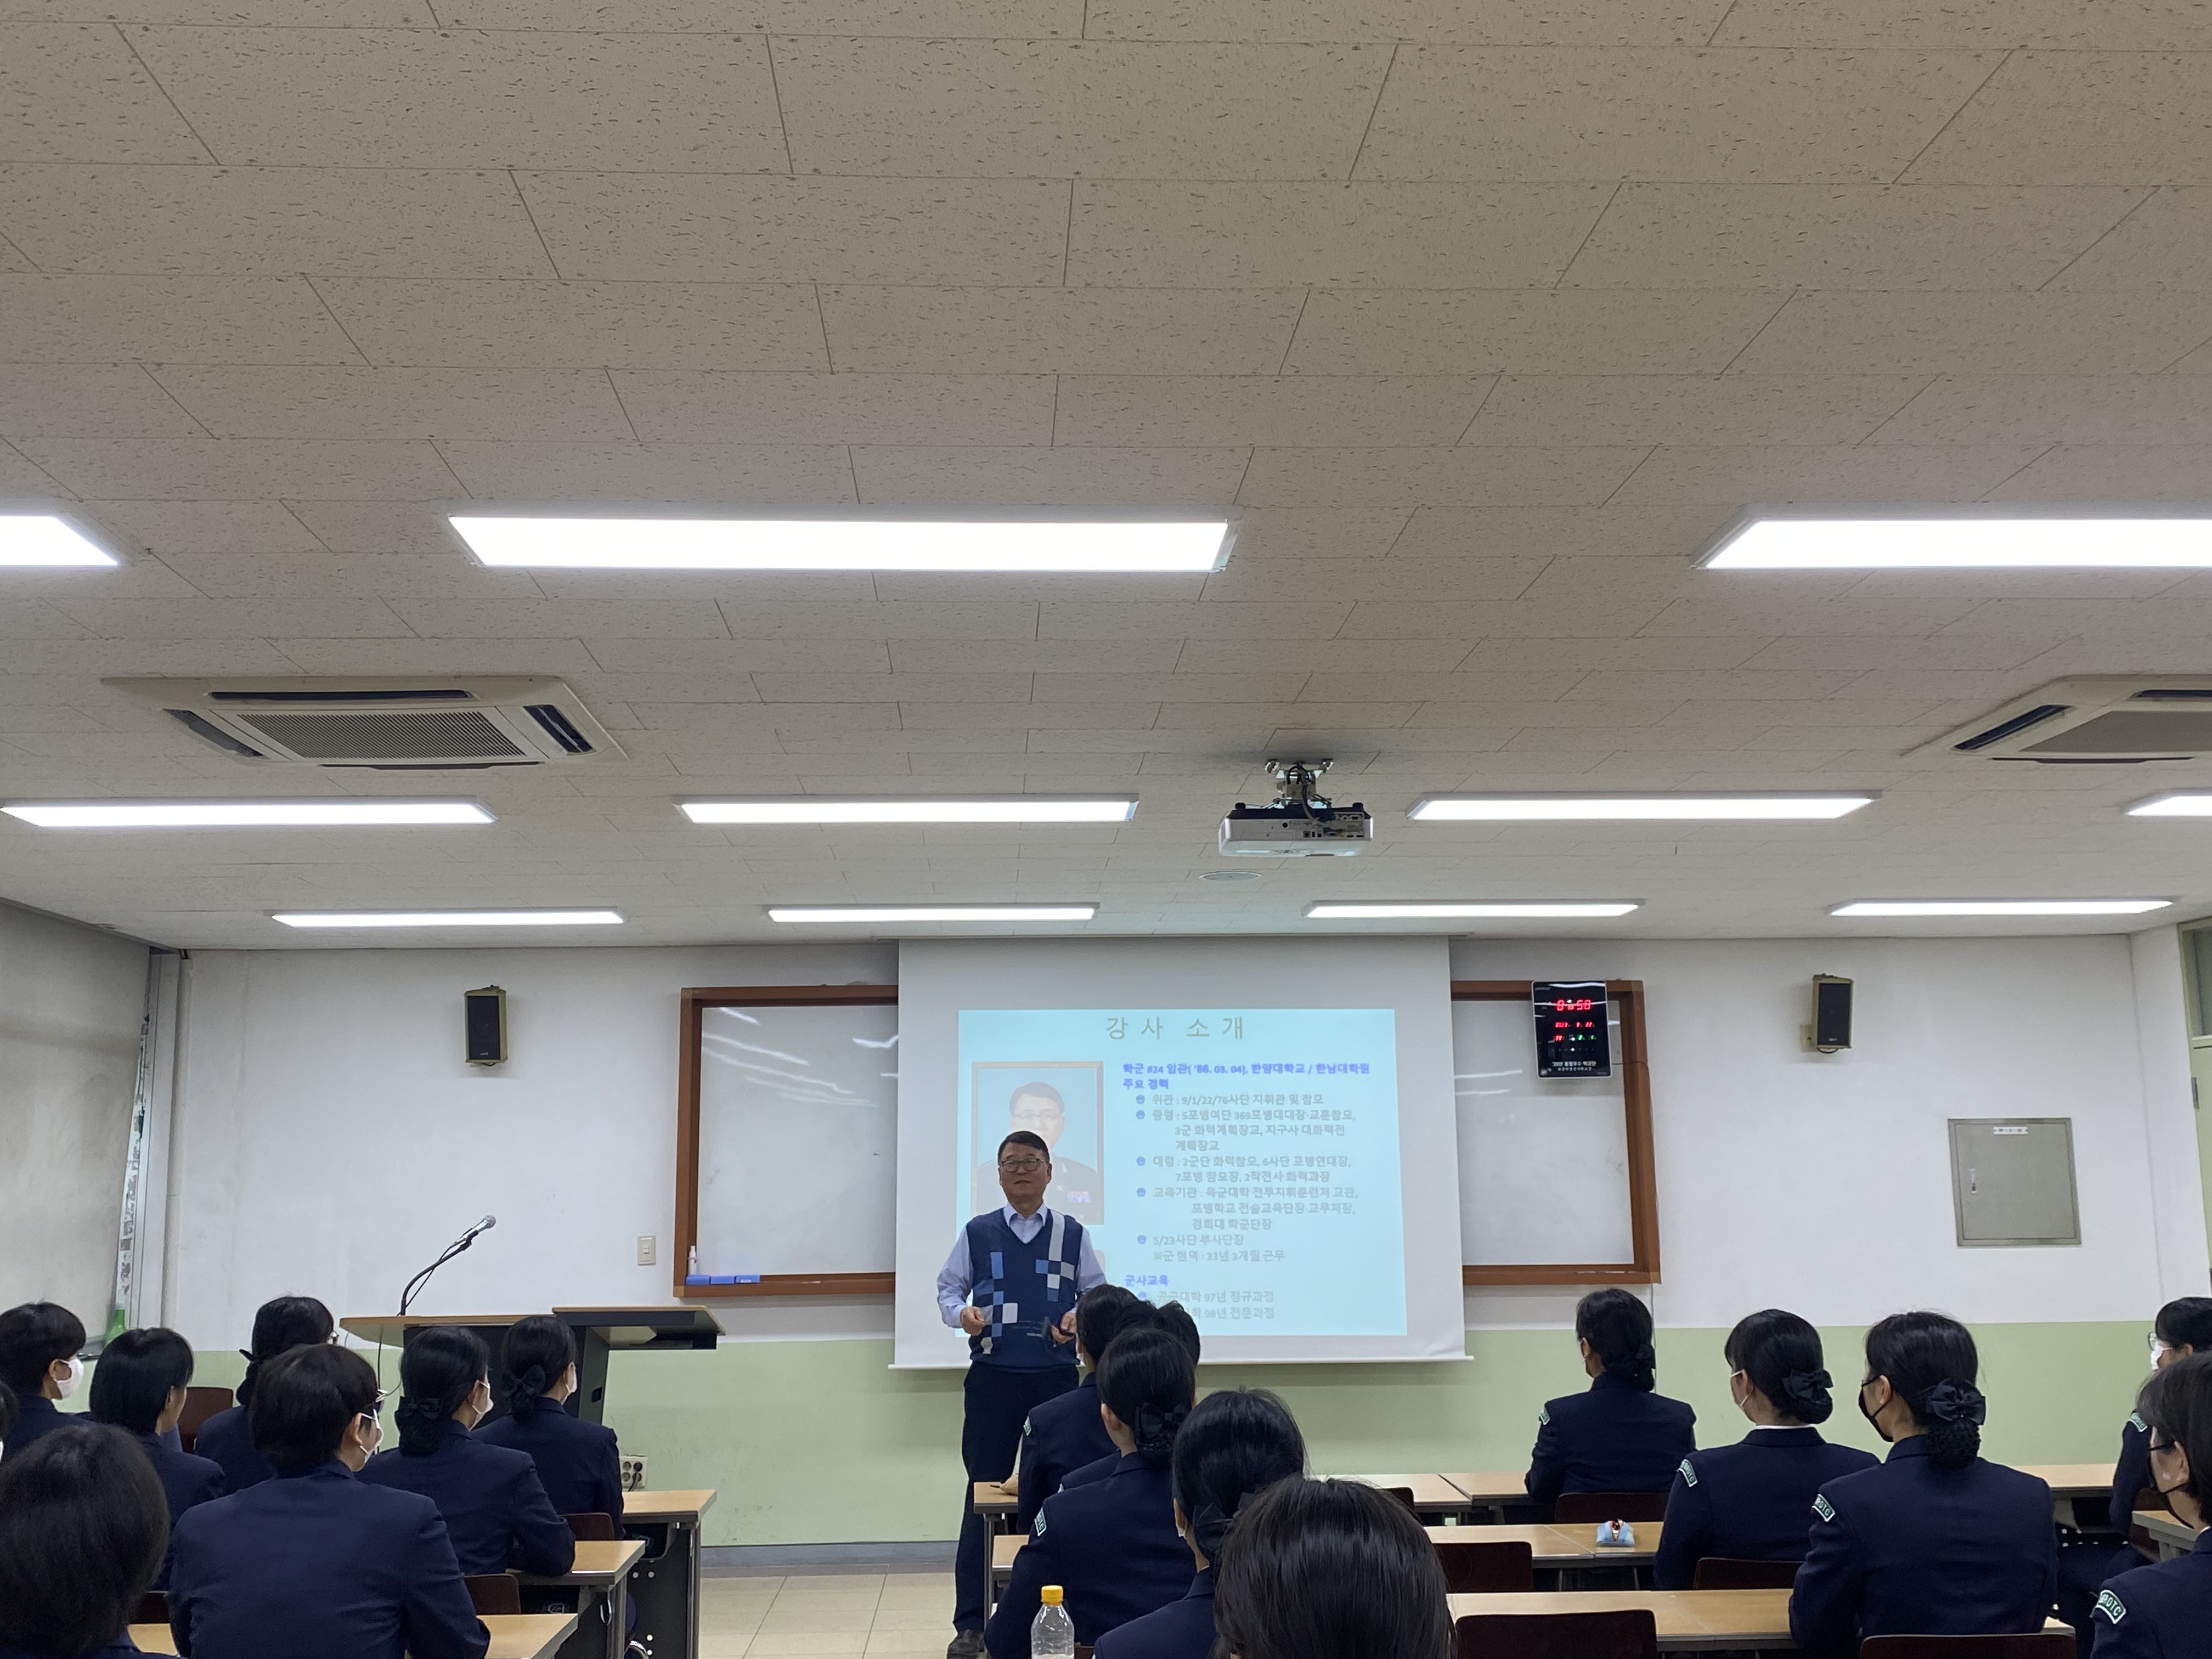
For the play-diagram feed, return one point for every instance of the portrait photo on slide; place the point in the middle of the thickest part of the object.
(1058, 1101)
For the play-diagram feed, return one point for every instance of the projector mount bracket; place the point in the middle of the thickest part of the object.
(1294, 783)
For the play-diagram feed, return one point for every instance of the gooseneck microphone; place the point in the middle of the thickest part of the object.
(415, 1285)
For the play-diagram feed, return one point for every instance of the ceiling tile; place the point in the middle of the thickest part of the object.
(370, 528)
(1163, 234)
(1582, 113)
(2094, 472)
(164, 527)
(1025, 19)
(88, 400)
(1721, 614)
(1774, 473)
(716, 658)
(1021, 477)
(273, 14)
(736, 229)
(2148, 410)
(975, 621)
(1441, 533)
(954, 586)
(207, 468)
(862, 409)
(2053, 332)
(1501, 23)
(547, 404)
(1162, 409)
(1032, 108)
(556, 324)
(2137, 25)
(704, 473)
(2081, 117)
(167, 320)
(1375, 579)
(74, 92)
(1631, 409)
(1029, 331)
(1400, 620)
(915, 656)
(979, 686)
(553, 619)
(456, 98)
(1204, 620)
(1563, 331)
(1270, 533)
(1135, 686)
(350, 221)
(384, 575)
(1449, 478)
(2166, 242)
(1556, 656)
(1955, 236)
(215, 619)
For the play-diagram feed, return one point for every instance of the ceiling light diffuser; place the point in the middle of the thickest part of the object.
(1999, 906)
(242, 814)
(1544, 809)
(1844, 540)
(48, 540)
(1326, 911)
(2180, 804)
(1012, 809)
(448, 918)
(1192, 544)
(847, 912)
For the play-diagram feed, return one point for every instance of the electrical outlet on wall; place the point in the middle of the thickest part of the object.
(648, 1249)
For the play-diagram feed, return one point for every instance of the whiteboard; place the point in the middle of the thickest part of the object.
(798, 1138)
(1543, 1162)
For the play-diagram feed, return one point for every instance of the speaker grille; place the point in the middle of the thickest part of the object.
(406, 735)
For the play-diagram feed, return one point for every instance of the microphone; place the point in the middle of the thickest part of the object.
(415, 1285)
(483, 1226)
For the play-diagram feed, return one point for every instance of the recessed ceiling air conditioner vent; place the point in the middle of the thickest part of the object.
(385, 725)
(2100, 719)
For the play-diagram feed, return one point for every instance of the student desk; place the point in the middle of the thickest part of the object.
(2173, 1535)
(1433, 1494)
(601, 1578)
(1560, 1547)
(994, 1500)
(513, 1635)
(666, 1585)
(1493, 1489)
(1689, 1621)
(2069, 1481)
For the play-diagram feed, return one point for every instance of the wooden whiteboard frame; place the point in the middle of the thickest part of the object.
(1643, 1179)
(689, 1041)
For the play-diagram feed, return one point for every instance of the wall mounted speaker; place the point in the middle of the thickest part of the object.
(1832, 1013)
(485, 1016)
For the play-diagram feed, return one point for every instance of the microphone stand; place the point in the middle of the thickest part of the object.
(415, 1285)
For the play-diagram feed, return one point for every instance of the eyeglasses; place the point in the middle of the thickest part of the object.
(2161, 1445)
(1021, 1165)
(2157, 1347)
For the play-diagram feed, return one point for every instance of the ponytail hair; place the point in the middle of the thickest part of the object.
(440, 1369)
(1617, 1328)
(1236, 1443)
(281, 1324)
(1146, 1379)
(1780, 1354)
(535, 1353)
(1931, 1364)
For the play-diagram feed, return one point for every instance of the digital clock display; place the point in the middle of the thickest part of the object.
(1571, 1037)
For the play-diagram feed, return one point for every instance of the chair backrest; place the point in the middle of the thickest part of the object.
(1593, 1506)
(593, 1527)
(1403, 1494)
(2042, 1645)
(493, 1592)
(1725, 1572)
(1631, 1633)
(201, 1404)
(153, 1609)
(1475, 1568)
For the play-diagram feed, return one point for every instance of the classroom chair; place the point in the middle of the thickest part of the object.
(1725, 1572)
(200, 1404)
(153, 1609)
(1403, 1494)
(493, 1592)
(1475, 1568)
(1631, 1633)
(2042, 1645)
(1575, 1507)
(593, 1527)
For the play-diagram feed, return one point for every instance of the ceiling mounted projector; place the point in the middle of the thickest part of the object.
(1300, 824)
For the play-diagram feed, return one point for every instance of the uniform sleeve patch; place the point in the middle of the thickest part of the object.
(1822, 1508)
(1037, 1531)
(1689, 1475)
(2136, 1422)
(1544, 1418)
(1028, 1425)
(2110, 1605)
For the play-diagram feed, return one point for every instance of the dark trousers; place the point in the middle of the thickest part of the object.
(997, 1401)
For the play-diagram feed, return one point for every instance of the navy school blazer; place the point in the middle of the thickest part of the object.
(1749, 1502)
(1611, 1437)
(2161, 1612)
(1909, 1549)
(39, 1418)
(494, 1504)
(320, 1563)
(1061, 1435)
(577, 1462)
(187, 1481)
(1110, 1544)
(2130, 1472)
(228, 1438)
(1180, 1630)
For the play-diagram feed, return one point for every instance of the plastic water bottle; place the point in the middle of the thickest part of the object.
(1052, 1632)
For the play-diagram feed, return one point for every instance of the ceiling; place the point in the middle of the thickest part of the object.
(1486, 313)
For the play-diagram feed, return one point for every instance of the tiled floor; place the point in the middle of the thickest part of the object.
(859, 1615)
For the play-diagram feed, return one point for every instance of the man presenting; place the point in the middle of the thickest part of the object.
(1011, 1284)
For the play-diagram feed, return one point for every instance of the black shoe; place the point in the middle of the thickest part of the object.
(966, 1645)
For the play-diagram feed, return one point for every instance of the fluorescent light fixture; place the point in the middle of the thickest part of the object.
(2179, 804)
(1548, 808)
(1010, 809)
(448, 918)
(847, 912)
(1999, 906)
(241, 814)
(1040, 542)
(1326, 911)
(47, 540)
(1848, 540)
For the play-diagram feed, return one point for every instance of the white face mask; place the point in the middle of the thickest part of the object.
(369, 1445)
(67, 1386)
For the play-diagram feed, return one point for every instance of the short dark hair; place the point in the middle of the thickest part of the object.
(1617, 1328)
(1026, 1138)
(1930, 1362)
(307, 1397)
(439, 1368)
(1042, 1092)
(32, 1337)
(1330, 1570)
(1236, 1443)
(1780, 1353)
(8, 1409)
(534, 1353)
(281, 1324)
(1175, 1320)
(1147, 1379)
(1104, 1312)
(83, 1528)
(2186, 1322)
(2177, 1404)
(137, 1371)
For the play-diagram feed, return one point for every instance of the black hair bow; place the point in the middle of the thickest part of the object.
(1954, 1403)
(1806, 1388)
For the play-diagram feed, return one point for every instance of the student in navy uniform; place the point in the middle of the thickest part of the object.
(316, 1561)
(138, 1386)
(1330, 1570)
(1235, 1444)
(1112, 1545)
(280, 1325)
(1935, 1541)
(1065, 1433)
(1619, 1436)
(578, 1462)
(1173, 1318)
(494, 1504)
(1748, 1502)
(1023, 1265)
(39, 1345)
(82, 1528)
(2165, 1612)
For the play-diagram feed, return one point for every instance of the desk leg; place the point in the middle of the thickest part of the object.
(666, 1586)
(617, 1611)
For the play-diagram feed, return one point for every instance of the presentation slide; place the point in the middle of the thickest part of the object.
(1241, 1161)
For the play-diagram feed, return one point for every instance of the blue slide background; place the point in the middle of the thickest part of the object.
(1251, 1165)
